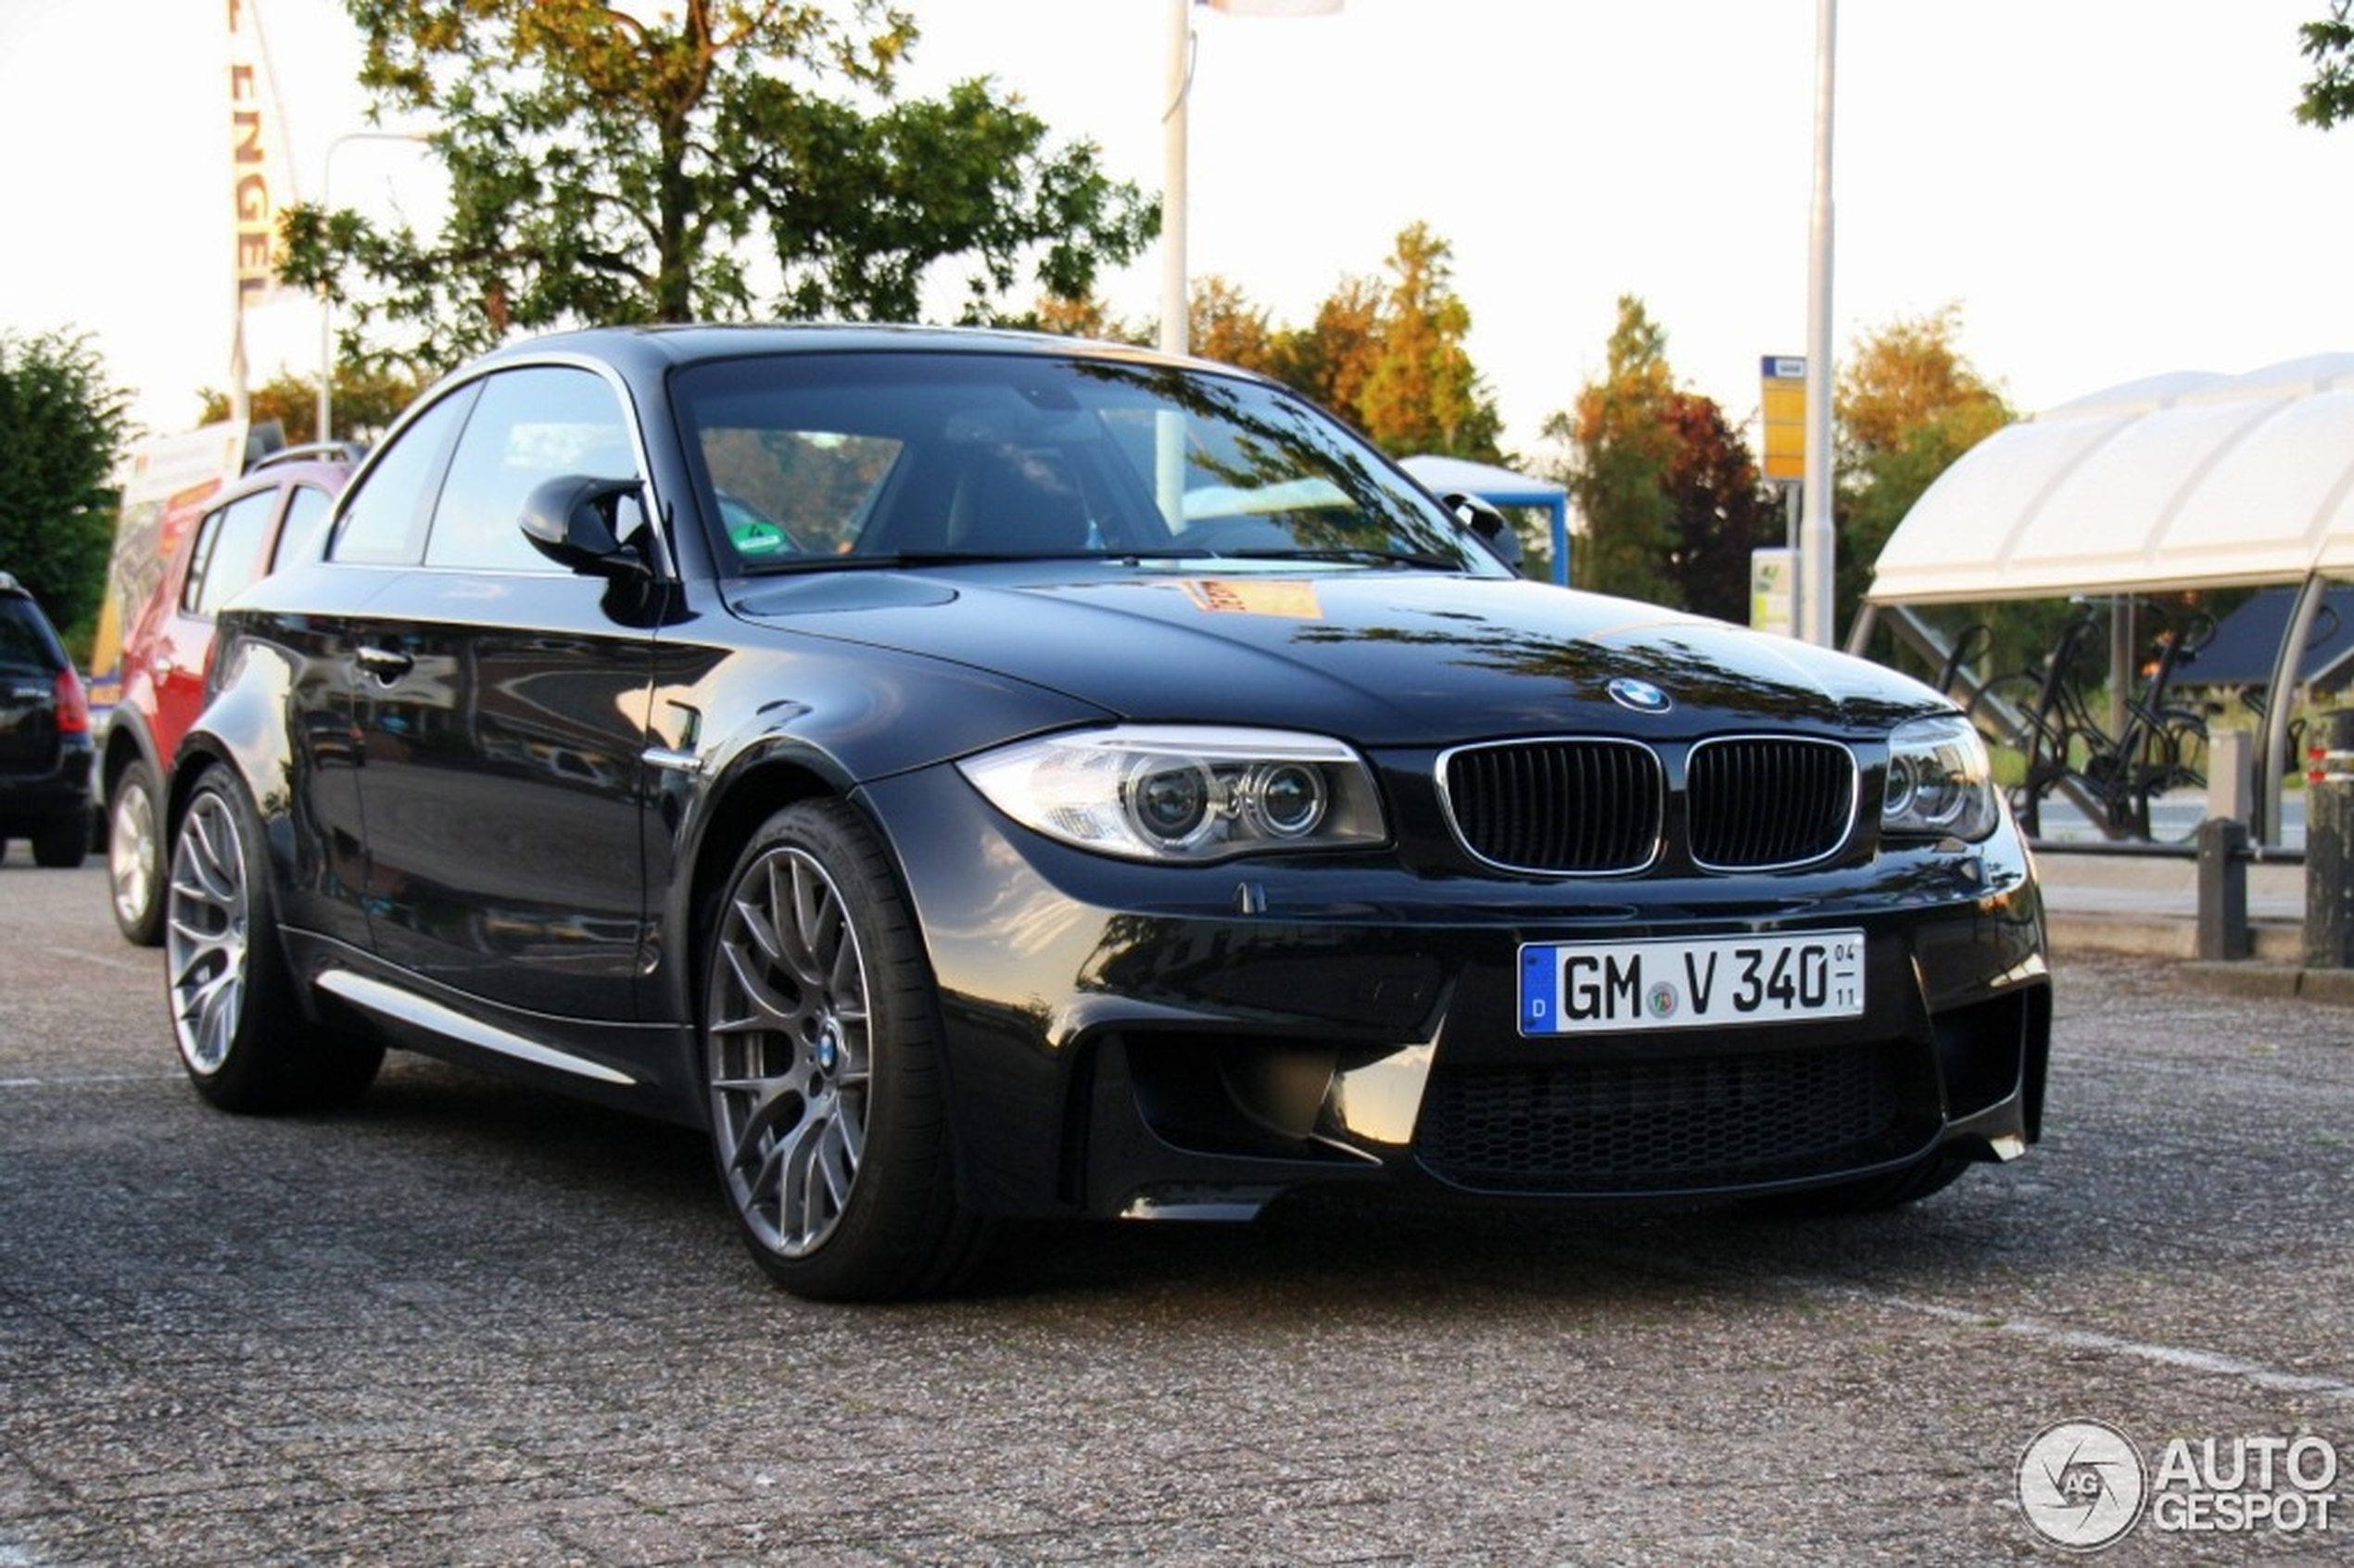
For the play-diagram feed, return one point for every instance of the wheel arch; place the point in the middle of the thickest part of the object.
(242, 729)
(128, 739)
(747, 797)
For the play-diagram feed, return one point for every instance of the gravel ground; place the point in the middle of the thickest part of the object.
(469, 1323)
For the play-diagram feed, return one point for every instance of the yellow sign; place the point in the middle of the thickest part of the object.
(1784, 454)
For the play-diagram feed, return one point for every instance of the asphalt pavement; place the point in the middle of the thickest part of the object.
(470, 1323)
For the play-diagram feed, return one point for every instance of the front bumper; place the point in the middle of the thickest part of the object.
(1153, 1040)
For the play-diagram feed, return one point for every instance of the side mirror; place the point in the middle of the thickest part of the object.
(571, 520)
(1491, 526)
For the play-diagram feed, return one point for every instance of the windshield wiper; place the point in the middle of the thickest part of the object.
(919, 558)
(1365, 555)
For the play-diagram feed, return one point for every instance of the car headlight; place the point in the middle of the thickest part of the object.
(1179, 793)
(1939, 782)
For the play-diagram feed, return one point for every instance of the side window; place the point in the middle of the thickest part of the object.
(306, 509)
(227, 553)
(784, 493)
(384, 514)
(529, 427)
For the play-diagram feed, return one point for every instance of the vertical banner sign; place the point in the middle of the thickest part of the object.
(259, 176)
(1785, 418)
(257, 153)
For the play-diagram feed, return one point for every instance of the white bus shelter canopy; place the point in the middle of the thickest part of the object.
(2186, 480)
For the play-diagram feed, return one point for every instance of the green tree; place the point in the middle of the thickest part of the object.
(1623, 445)
(711, 158)
(1908, 402)
(66, 425)
(367, 400)
(1421, 392)
(1332, 357)
(2329, 44)
(1222, 324)
(1720, 510)
(1085, 316)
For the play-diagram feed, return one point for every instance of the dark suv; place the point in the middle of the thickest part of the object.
(238, 540)
(44, 735)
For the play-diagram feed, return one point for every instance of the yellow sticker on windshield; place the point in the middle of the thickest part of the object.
(1245, 597)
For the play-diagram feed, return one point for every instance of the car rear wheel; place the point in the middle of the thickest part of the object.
(134, 854)
(62, 846)
(241, 1036)
(822, 1044)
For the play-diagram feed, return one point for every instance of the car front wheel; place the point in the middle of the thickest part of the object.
(134, 855)
(241, 1034)
(821, 1041)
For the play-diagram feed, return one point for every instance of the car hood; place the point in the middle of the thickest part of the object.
(1377, 657)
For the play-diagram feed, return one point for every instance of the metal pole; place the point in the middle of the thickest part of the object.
(2288, 665)
(2329, 844)
(1172, 180)
(1818, 547)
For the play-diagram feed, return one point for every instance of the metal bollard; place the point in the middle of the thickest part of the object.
(2222, 888)
(2329, 844)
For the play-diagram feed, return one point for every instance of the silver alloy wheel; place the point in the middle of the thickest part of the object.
(791, 1051)
(134, 861)
(205, 932)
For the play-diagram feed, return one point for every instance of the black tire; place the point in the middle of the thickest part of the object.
(822, 1053)
(241, 1032)
(134, 854)
(62, 845)
(1874, 1195)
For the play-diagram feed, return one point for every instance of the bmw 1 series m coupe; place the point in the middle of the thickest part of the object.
(978, 775)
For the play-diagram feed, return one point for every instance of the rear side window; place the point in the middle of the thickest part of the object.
(306, 509)
(23, 642)
(528, 426)
(227, 553)
(388, 509)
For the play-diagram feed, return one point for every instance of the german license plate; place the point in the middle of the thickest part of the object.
(1567, 988)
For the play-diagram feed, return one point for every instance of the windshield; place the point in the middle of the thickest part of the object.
(823, 459)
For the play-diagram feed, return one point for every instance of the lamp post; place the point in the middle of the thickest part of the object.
(326, 305)
(1173, 303)
(1817, 543)
(1173, 326)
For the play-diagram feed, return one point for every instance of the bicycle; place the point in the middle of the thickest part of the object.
(2047, 715)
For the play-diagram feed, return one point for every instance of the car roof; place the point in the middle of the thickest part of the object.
(653, 348)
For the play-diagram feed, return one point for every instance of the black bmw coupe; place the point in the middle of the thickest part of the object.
(980, 775)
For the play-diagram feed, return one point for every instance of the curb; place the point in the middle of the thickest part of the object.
(2272, 981)
(2166, 936)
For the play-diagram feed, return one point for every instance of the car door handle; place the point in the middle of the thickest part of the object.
(387, 664)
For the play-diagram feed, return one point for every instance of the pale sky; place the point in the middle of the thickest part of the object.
(2109, 188)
